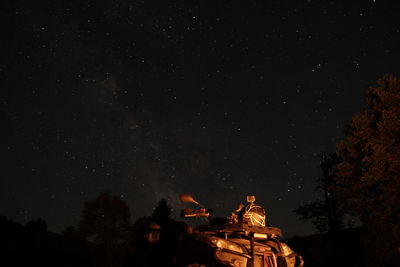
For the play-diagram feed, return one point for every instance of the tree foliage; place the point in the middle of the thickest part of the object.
(159, 248)
(323, 213)
(106, 222)
(162, 212)
(37, 226)
(369, 175)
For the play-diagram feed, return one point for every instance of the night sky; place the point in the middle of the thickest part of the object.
(150, 99)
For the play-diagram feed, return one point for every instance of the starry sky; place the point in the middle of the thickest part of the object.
(150, 99)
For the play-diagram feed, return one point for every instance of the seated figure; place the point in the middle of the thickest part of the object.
(250, 214)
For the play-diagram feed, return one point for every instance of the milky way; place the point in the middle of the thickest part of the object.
(150, 100)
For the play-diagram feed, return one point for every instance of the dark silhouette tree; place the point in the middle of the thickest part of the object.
(106, 223)
(369, 175)
(155, 238)
(162, 212)
(76, 248)
(324, 213)
(36, 226)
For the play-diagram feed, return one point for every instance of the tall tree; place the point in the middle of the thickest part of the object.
(369, 175)
(162, 212)
(323, 213)
(155, 238)
(106, 222)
